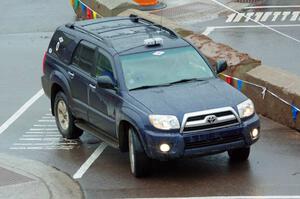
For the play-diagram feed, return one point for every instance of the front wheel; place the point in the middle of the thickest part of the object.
(240, 154)
(65, 121)
(139, 161)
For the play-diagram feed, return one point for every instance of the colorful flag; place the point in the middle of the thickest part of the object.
(295, 112)
(94, 15)
(89, 13)
(229, 80)
(76, 3)
(239, 84)
(83, 10)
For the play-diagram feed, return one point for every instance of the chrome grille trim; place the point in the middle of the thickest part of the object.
(203, 122)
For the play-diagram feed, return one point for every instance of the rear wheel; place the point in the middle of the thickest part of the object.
(65, 121)
(139, 161)
(240, 154)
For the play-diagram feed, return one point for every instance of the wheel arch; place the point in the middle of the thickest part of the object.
(59, 84)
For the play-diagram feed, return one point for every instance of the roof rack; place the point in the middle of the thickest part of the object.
(136, 19)
(96, 36)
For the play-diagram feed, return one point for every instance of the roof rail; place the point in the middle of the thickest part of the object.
(96, 36)
(136, 19)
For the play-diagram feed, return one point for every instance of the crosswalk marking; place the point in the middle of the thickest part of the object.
(276, 15)
(44, 135)
(264, 16)
(295, 16)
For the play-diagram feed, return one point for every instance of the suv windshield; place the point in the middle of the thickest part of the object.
(162, 68)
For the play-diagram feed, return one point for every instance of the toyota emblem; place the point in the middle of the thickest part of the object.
(211, 119)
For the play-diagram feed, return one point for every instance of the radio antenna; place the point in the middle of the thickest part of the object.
(161, 16)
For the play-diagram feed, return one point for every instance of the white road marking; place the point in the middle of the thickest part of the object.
(39, 139)
(261, 24)
(258, 15)
(210, 29)
(41, 135)
(249, 15)
(48, 129)
(263, 16)
(234, 197)
(276, 15)
(45, 144)
(46, 120)
(86, 165)
(21, 110)
(238, 17)
(44, 125)
(48, 117)
(266, 16)
(43, 148)
(285, 15)
(295, 16)
(41, 132)
(282, 6)
(230, 17)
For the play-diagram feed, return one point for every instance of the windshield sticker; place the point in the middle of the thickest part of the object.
(50, 50)
(158, 53)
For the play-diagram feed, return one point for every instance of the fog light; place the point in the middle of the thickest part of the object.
(254, 133)
(164, 147)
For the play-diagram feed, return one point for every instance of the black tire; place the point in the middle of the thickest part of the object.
(139, 162)
(239, 155)
(68, 129)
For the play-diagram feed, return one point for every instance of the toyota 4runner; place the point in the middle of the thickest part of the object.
(141, 88)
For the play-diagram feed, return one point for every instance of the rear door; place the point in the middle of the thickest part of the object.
(79, 74)
(103, 102)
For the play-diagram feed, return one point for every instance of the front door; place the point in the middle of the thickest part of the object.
(79, 73)
(103, 102)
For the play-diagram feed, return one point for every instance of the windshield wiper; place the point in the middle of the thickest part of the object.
(168, 84)
(150, 86)
(187, 80)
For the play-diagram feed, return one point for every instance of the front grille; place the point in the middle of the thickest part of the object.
(209, 119)
(213, 141)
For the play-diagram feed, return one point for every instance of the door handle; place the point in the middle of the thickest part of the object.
(92, 86)
(71, 74)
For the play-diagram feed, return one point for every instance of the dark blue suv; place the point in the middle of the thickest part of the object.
(141, 88)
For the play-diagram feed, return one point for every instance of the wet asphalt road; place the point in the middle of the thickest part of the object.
(272, 48)
(273, 168)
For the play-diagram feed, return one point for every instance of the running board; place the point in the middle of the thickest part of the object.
(98, 133)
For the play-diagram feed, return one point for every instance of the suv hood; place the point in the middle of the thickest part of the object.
(188, 97)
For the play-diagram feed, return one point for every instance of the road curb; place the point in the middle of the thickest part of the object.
(57, 183)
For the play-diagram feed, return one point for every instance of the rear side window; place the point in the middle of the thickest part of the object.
(84, 56)
(104, 66)
(62, 46)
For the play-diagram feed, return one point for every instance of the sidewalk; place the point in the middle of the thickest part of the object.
(28, 179)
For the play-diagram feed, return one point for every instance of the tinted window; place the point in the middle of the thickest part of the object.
(84, 57)
(103, 66)
(62, 46)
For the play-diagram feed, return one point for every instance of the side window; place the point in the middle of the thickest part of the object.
(84, 57)
(62, 46)
(104, 66)
(76, 56)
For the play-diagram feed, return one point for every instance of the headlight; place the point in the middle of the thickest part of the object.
(246, 108)
(164, 122)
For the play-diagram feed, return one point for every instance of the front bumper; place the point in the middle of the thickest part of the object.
(201, 143)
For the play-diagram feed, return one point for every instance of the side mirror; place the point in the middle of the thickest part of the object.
(105, 82)
(221, 66)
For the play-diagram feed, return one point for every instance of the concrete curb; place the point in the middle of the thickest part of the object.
(48, 182)
(283, 84)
